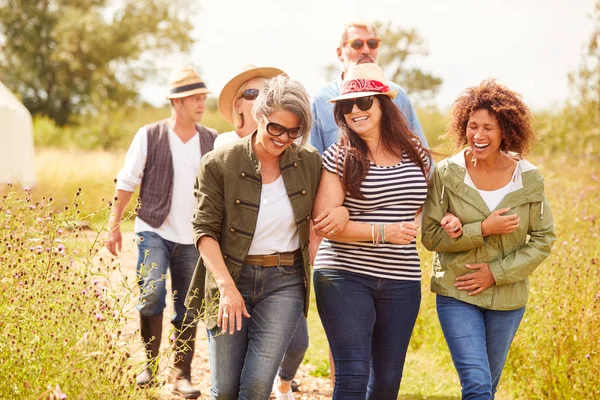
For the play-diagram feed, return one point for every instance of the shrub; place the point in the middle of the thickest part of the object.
(61, 318)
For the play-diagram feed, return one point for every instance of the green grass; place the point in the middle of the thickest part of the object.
(556, 351)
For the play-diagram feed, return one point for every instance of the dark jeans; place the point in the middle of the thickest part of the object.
(295, 351)
(368, 322)
(478, 340)
(244, 365)
(155, 256)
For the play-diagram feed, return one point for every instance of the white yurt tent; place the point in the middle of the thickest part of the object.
(16, 140)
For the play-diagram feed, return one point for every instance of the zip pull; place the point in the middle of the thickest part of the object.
(442, 198)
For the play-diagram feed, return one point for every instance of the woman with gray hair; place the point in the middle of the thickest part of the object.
(251, 226)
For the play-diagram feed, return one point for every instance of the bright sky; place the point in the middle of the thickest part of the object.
(529, 45)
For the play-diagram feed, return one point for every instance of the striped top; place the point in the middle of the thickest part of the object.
(392, 195)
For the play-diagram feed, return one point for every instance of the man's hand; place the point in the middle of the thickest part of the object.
(114, 242)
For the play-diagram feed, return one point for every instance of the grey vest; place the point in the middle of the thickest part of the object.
(157, 183)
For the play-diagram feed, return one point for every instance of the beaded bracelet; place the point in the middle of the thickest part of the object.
(382, 232)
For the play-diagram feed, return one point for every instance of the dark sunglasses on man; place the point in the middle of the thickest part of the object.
(274, 129)
(250, 94)
(358, 44)
(363, 103)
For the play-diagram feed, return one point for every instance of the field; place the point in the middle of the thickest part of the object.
(63, 325)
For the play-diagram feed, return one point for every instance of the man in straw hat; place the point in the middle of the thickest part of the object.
(163, 158)
(236, 100)
(359, 44)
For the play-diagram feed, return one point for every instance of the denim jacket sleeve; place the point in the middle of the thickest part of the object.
(518, 265)
(433, 237)
(209, 193)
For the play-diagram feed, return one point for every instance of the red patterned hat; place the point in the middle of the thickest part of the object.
(364, 80)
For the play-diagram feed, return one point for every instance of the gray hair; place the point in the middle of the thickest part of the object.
(368, 26)
(281, 92)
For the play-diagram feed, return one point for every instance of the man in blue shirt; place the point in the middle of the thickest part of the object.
(359, 44)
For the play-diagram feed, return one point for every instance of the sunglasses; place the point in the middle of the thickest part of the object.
(363, 103)
(277, 130)
(358, 44)
(250, 94)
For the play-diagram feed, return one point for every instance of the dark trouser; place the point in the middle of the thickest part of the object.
(156, 256)
(368, 322)
(295, 351)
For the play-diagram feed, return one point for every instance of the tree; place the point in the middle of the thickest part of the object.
(65, 57)
(398, 48)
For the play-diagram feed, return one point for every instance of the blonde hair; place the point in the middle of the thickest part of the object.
(369, 26)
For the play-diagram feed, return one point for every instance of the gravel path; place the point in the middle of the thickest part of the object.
(312, 388)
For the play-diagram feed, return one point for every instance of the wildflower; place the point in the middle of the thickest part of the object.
(99, 317)
(39, 249)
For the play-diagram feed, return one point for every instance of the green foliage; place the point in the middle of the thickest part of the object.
(61, 318)
(555, 354)
(109, 131)
(397, 56)
(65, 57)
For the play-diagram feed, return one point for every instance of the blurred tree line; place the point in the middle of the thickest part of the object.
(77, 65)
(70, 57)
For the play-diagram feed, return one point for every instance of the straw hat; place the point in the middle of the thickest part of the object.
(364, 80)
(230, 89)
(185, 82)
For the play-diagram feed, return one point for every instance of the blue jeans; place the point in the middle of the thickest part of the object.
(244, 365)
(155, 256)
(368, 322)
(478, 340)
(295, 351)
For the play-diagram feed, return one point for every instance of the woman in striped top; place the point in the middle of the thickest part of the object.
(367, 276)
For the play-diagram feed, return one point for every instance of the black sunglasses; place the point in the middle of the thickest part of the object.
(277, 130)
(250, 94)
(363, 103)
(358, 44)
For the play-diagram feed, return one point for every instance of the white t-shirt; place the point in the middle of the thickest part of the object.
(226, 138)
(492, 197)
(177, 227)
(276, 229)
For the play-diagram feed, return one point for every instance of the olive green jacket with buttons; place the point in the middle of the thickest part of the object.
(228, 189)
(511, 257)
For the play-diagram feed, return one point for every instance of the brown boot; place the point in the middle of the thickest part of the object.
(184, 353)
(151, 330)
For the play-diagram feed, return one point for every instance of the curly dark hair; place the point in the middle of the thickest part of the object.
(513, 115)
(395, 137)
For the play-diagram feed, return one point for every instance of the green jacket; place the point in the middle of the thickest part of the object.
(228, 188)
(511, 257)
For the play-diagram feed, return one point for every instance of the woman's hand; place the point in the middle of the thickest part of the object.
(331, 221)
(477, 281)
(232, 309)
(402, 233)
(498, 224)
(451, 225)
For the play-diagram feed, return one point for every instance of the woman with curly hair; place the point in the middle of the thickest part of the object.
(480, 271)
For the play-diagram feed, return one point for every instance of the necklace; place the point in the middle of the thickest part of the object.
(264, 191)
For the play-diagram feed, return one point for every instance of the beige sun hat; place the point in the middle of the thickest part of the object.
(185, 82)
(231, 88)
(364, 80)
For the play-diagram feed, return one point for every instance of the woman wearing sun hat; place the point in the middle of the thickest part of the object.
(367, 275)
(236, 100)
